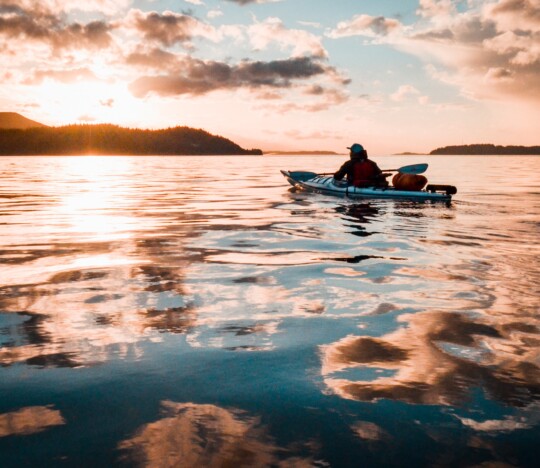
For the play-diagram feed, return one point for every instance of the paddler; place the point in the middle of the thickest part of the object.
(360, 170)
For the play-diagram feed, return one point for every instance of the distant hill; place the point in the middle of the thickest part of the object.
(487, 149)
(302, 153)
(408, 153)
(14, 120)
(111, 139)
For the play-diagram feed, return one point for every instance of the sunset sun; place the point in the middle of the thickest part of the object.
(88, 101)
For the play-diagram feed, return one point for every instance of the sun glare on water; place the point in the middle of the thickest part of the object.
(88, 206)
(98, 197)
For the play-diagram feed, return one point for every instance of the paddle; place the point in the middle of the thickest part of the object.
(412, 169)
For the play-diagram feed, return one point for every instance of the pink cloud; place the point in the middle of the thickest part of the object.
(366, 25)
(187, 75)
(514, 14)
(43, 26)
(403, 92)
(272, 31)
(434, 8)
(168, 28)
(64, 75)
(489, 51)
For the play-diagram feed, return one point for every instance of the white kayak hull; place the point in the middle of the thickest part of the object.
(329, 186)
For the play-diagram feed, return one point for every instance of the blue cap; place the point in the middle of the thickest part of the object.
(356, 148)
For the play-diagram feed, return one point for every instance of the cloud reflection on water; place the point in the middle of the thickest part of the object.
(437, 359)
(29, 420)
(195, 435)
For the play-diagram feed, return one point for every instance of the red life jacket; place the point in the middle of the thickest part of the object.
(365, 173)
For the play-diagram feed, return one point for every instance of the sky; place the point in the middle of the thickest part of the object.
(393, 75)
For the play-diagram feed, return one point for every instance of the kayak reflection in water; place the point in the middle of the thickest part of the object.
(359, 215)
(360, 170)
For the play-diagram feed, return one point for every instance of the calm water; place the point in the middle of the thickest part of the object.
(168, 311)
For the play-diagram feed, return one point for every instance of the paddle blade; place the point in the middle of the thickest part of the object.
(300, 176)
(413, 169)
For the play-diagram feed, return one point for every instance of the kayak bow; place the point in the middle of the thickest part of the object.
(313, 182)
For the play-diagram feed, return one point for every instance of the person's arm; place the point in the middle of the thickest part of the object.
(342, 172)
(380, 176)
(377, 169)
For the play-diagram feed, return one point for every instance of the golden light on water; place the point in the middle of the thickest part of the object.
(100, 193)
(91, 198)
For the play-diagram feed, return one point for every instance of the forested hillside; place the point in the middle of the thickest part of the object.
(111, 139)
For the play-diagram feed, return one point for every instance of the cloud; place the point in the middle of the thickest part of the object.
(16, 21)
(188, 75)
(514, 14)
(101, 6)
(247, 2)
(332, 96)
(40, 25)
(64, 76)
(460, 30)
(311, 24)
(214, 14)
(518, 49)
(490, 50)
(169, 28)
(314, 135)
(91, 35)
(366, 25)
(154, 58)
(434, 8)
(86, 118)
(478, 51)
(495, 75)
(318, 97)
(106, 7)
(403, 92)
(272, 30)
(107, 102)
(490, 53)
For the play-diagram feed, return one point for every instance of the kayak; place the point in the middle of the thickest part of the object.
(312, 182)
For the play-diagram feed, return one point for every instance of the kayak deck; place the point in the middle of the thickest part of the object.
(316, 183)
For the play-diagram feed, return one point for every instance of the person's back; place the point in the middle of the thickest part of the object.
(365, 173)
(360, 171)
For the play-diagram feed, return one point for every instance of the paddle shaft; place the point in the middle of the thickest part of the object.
(383, 170)
(412, 169)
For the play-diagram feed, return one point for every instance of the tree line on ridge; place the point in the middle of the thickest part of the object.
(107, 139)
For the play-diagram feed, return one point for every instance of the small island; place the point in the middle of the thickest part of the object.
(486, 149)
(32, 138)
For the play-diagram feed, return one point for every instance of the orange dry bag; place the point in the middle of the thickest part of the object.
(411, 182)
